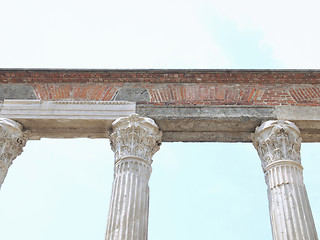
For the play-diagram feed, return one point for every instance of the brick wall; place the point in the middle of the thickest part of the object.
(177, 87)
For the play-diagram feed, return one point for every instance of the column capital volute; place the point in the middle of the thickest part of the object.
(135, 136)
(277, 141)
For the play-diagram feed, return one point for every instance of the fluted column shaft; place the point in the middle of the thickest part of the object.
(278, 144)
(12, 140)
(134, 141)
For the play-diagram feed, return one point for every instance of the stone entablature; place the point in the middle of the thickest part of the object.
(90, 119)
(66, 119)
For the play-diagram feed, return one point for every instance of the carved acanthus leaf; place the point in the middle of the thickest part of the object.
(276, 141)
(135, 136)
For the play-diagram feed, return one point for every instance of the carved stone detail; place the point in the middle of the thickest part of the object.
(135, 136)
(12, 141)
(134, 141)
(277, 141)
(278, 145)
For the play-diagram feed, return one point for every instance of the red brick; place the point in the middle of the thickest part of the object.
(176, 87)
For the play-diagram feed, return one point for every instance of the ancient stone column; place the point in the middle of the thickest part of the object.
(12, 140)
(134, 141)
(278, 145)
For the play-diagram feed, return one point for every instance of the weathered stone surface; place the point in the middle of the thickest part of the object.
(12, 140)
(65, 119)
(132, 94)
(16, 91)
(227, 123)
(170, 112)
(134, 141)
(278, 144)
(74, 119)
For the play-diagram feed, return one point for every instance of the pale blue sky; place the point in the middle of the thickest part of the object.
(60, 189)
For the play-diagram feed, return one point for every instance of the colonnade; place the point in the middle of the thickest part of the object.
(136, 139)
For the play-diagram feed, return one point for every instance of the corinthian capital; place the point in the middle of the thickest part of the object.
(135, 136)
(12, 140)
(277, 141)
